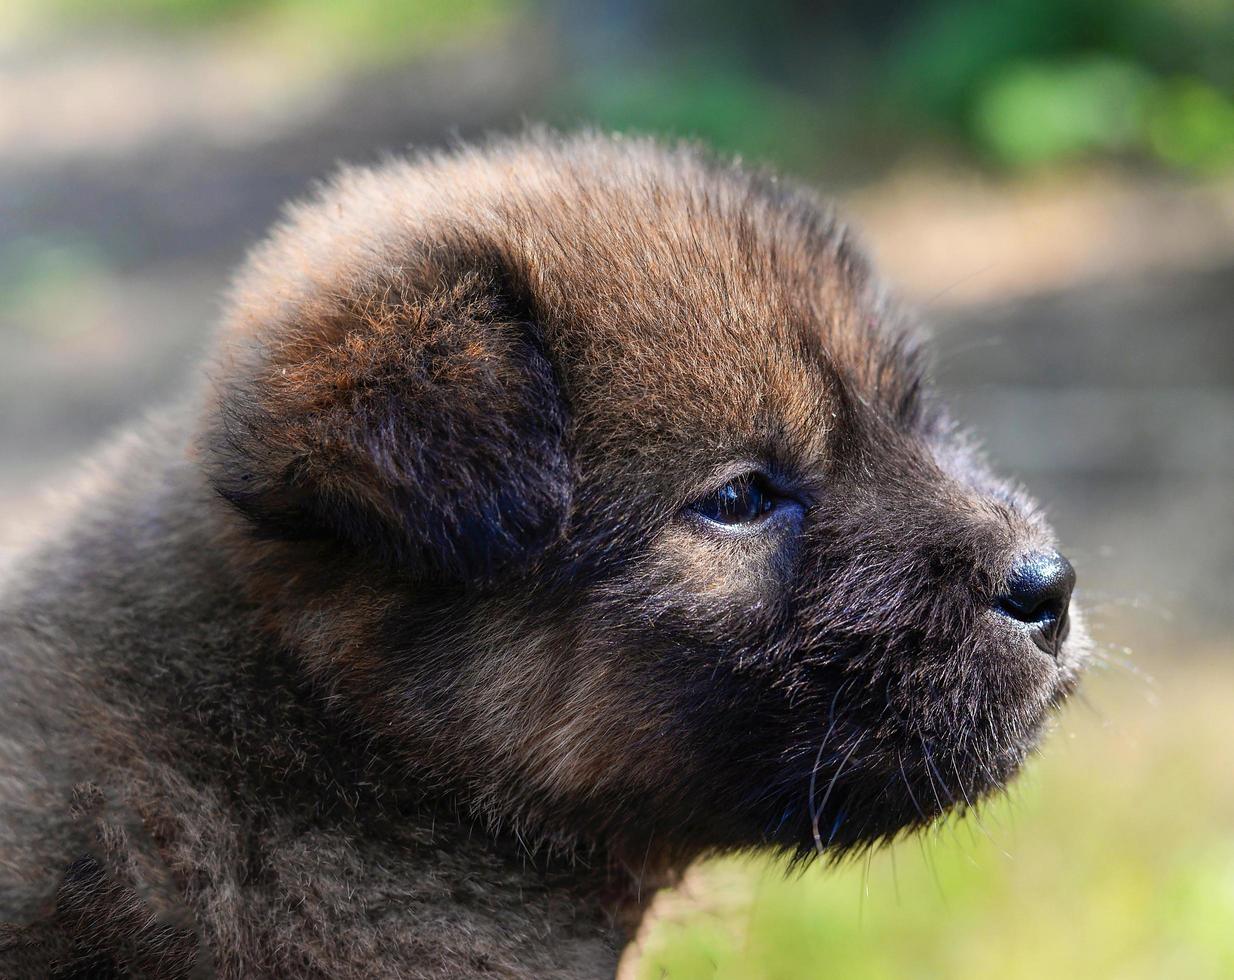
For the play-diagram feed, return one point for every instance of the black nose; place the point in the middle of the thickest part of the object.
(1038, 593)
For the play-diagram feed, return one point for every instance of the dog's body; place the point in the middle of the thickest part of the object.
(556, 515)
(166, 785)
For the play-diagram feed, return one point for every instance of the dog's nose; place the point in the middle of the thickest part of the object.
(1038, 593)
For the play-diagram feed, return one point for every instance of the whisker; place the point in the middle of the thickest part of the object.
(908, 788)
(818, 843)
(818, 759)
(931, 772)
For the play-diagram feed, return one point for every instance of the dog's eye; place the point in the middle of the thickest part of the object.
(740, 501)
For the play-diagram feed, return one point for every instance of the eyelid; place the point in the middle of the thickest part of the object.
(727, 474)
(776, 484)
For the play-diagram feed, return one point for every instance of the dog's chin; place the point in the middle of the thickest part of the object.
(895, 799)
(867, 790)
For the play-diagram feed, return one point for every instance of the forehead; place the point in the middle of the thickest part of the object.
(717, 312)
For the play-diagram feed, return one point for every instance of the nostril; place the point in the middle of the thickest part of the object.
(1039, 592)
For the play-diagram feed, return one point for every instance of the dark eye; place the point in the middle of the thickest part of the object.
(740, 501)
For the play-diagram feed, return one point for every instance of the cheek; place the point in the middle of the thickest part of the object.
(562, 712)
(724, 571)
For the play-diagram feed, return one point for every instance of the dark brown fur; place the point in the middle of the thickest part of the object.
(398, 650)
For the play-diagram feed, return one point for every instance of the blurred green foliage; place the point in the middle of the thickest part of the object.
(1016, 84)
(1030, 82)
(1093, 104)
(727, 110)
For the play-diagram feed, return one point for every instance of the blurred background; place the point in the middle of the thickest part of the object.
(1050, 181)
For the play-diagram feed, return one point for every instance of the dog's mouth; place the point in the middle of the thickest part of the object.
(879, 770)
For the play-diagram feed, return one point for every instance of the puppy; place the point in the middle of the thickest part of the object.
(555, 513)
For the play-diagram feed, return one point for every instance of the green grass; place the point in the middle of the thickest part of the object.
(1112, 857)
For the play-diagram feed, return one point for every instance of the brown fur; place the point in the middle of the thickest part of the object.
(400, 650)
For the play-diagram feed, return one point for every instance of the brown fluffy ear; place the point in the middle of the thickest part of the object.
(417, 418)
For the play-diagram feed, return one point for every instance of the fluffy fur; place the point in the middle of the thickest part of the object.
(398, 650)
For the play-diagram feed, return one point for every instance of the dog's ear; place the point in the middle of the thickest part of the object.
(413, 414)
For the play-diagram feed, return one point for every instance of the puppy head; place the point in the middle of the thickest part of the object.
(600, 482)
